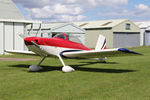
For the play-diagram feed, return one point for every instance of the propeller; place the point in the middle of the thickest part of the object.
(22, 36)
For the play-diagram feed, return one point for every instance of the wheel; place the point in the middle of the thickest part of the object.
(34, 68)
(67, 69)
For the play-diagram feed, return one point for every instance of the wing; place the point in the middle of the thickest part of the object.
(20, 52)
(98, 54)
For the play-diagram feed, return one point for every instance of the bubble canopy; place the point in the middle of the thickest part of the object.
(69, 37)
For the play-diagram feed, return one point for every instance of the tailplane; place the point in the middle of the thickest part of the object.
(101, 43)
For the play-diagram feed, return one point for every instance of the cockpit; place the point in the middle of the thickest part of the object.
(69, 37)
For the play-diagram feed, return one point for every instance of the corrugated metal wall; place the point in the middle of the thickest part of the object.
(126, 39)
(19, 28)
(1, 38)
(147, 38)
(81, 37)
(91, 37)
(9, 36)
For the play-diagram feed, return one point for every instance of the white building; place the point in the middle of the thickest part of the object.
(118, 32)
(9, 34)
(9, 10)
(145, 32)
(12, 23)
(51, 29)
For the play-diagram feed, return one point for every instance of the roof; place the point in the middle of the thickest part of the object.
(9, 10)
(68, 27)
(143, 24)
(20, 21)
(44, 25)
(51, 25)
(83, 24)
(57, 27)
(99, 24)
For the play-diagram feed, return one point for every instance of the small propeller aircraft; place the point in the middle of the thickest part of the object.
(68, 46)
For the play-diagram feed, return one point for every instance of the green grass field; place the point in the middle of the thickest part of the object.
(121, 78)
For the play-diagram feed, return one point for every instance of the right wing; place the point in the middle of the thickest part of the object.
(98, 54)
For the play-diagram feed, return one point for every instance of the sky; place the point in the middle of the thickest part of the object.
(84, 10)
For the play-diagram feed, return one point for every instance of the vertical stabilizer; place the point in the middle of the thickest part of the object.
(101, 43)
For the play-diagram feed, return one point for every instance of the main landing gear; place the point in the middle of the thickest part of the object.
(65, 68)
(34, 68)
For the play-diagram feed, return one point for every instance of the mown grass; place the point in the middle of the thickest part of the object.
(121, 78)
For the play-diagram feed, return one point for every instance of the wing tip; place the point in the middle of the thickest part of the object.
(128, 51)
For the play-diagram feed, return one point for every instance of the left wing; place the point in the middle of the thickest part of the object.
(20, 52)
(98, 54)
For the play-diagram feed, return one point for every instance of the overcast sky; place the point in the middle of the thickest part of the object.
(83, 10)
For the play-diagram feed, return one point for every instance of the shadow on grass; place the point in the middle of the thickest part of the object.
(78, 68)
(104, 70)
(99, 62)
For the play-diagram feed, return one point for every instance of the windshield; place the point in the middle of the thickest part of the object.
(69, 37)
(62, 36)
(74, 39)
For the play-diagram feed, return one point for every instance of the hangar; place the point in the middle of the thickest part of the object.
(9, 34)
(51, 29)
(145, 32)
(119, 33)
(12, 23)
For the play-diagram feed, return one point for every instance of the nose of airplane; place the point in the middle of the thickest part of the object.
(28, 40)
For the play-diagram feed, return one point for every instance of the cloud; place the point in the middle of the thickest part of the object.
(62, 12)
(92, 2)
(109, 3)
(142, 10)
(142, 7)
(139, 12)
(65, 10)
(119, 1)
(72, 18)
(70, 1)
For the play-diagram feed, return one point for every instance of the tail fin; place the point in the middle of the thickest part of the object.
(101, 43)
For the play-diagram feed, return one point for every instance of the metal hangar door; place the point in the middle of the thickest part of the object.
(121, 39)
(147, 38)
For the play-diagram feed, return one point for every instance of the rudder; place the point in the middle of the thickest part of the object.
(101, 43)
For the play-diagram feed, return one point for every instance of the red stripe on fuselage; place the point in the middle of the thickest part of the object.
(56, 42)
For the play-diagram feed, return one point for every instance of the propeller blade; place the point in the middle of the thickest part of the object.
(35, 44)
(22, 36)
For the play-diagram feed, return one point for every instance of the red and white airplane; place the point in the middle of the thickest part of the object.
(68, 46)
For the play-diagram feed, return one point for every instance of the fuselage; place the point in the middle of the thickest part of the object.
(52, 46)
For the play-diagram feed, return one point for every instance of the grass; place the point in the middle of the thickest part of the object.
(121, 78)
